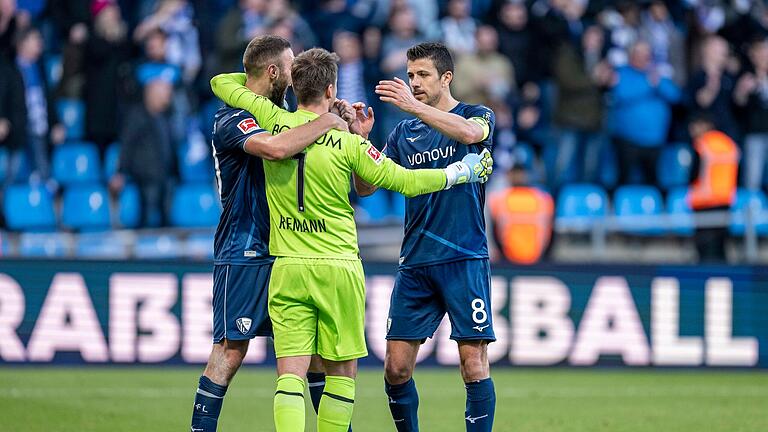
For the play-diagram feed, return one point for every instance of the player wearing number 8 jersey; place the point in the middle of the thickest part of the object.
(317, 293)
(444, 258)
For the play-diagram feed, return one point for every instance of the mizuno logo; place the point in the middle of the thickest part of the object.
(196, 430)
(399, 420)
(413, 139)
(474, 419)
(479, 328)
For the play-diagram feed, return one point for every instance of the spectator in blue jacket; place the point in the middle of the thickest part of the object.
(640, 113)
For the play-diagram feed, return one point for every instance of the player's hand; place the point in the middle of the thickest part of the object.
(364, 119)
(473, 168)
(344, 109)
(398, 94)
(336, 121)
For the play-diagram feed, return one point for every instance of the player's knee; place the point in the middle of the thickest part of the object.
(397, 372)
(474, 368)
(234, 355)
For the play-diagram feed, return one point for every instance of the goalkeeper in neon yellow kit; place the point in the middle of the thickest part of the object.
(317, 287)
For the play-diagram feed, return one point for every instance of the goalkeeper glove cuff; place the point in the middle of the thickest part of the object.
(456, 173)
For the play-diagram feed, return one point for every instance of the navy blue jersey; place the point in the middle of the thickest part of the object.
(443, 226)
(242, 237)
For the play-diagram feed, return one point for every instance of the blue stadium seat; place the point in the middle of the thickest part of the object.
(111, 159)
(102, 245)
(151, 71)
(76, 163)
(86, 207)
(580, 206)
(157, 246)
(680, 212)
(129, 206)
(195, 205)
(72, 115)
(745, 200)
(199, 246)
(195, 163)
(44, 245)
(674, 166)
(29, 208)
(637, 208)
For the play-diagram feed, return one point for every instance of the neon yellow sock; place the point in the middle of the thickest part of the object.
(289, 404)
(336, 406)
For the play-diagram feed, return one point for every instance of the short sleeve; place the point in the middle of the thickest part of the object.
(486, 118)
(235, 130)
(390, 147)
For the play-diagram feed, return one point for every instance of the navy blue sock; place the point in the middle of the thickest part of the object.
(404, 405)
(316, 382)
(481, 405)
(208, 401)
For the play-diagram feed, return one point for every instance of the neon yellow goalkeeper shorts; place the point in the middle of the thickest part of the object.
(317, 306)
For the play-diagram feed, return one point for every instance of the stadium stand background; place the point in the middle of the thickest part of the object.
(85, 172)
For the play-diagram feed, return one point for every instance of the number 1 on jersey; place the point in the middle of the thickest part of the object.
(301, 157)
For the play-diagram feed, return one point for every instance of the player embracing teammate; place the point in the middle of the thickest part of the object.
(444, 257)
(316, 292)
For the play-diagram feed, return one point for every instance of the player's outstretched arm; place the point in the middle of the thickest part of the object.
(465, 131)
(376, 169)
(286, 144)
(230, 88)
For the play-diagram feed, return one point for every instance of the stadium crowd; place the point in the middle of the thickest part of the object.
(584, 91)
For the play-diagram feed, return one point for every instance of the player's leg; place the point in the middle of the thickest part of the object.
(289, 393)
(338, 399)
(316, 380)
(294, 322)
(224, 361)
(338, 288)
(399, 385)
(466, 288)
(239, 314)
(481, 395)
(414, 315)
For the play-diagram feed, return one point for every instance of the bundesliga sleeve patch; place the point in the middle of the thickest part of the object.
(374, 154)
(248, 125)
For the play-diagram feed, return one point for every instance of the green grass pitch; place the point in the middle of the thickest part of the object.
(160, 399)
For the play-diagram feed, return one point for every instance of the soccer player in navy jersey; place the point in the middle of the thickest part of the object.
(242, 264)
(444, 257)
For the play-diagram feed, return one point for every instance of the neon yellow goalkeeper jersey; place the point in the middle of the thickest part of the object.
(308, 195)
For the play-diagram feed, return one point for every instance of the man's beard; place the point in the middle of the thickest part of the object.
(277, 94)
(433, 100)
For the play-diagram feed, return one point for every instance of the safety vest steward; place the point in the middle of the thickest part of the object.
(523, 221)
(718, 171)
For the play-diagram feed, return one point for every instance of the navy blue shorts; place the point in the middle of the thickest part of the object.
(423, 295)
(240, 302)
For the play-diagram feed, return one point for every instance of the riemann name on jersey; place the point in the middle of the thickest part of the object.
(302, 225)
(431, 155)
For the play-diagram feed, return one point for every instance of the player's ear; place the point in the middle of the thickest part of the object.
(447, 78)
(273, 71)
